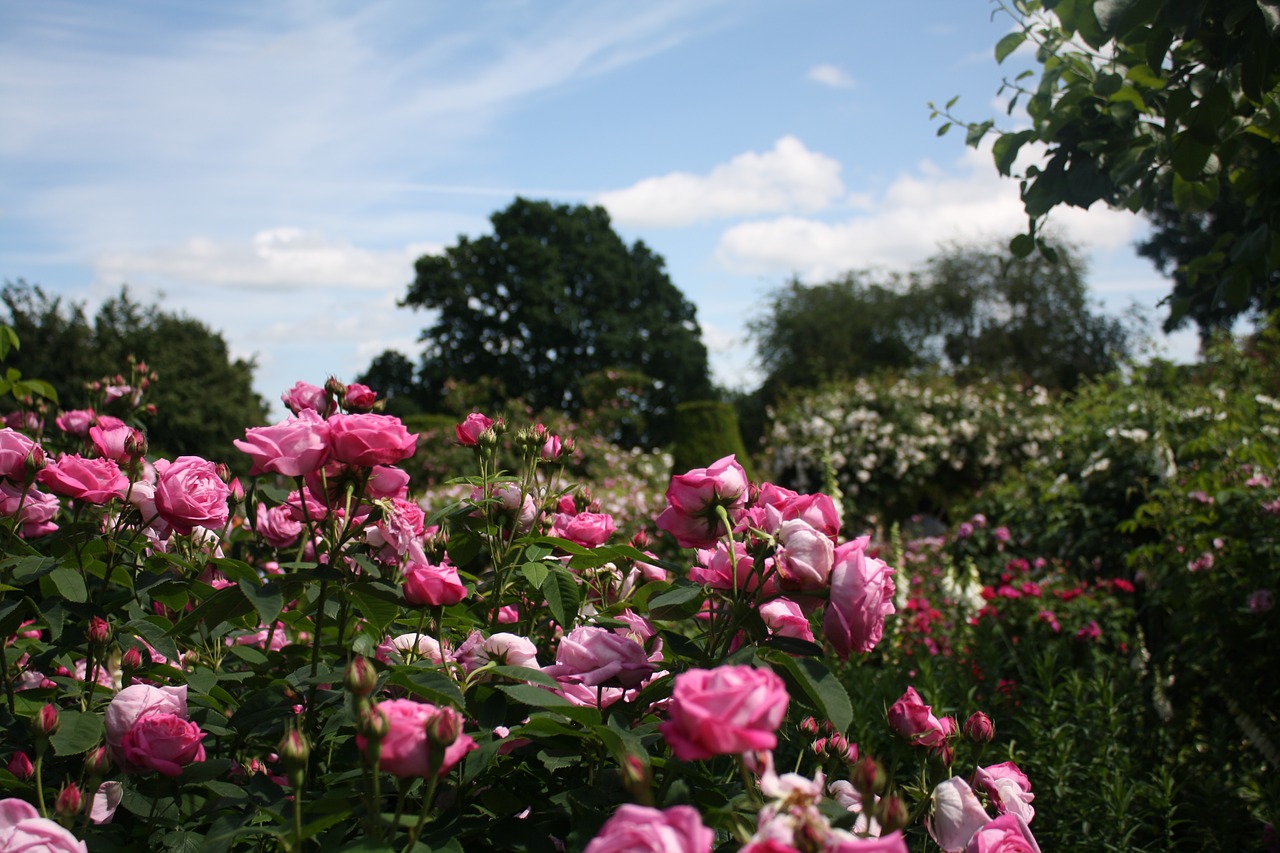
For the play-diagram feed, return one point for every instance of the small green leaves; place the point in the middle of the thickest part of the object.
(1009, 44)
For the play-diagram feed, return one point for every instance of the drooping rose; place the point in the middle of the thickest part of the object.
(596, 656)
(955, 814)
(293, 448)
(692, 499)
(190, 494)
(724, 711)
(398, 534)
(368, 439)
(22, 830)
(94, 481)
(504, 648)
(861, 596)
(641, 829)
(409, 750)
(784, 618)
(403, 646)
(433, 585)
(1009, 789)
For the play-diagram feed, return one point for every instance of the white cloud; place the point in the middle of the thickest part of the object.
(278, 258)
(832, 75)
(907, 223)
(789, 177)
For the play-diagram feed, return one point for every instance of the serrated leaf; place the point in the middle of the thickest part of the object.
(379, 607)
(563, 596)
(265, 598)
(535, 573)
(77, 732)
(69, 584)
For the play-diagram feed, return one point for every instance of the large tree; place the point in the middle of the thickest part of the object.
(1168, 108)
(204, 398)
(552, 297)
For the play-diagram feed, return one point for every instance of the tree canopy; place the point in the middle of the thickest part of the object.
(552, 298)
(1168, 108)
(204, 398)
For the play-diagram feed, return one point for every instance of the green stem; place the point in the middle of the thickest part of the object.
(426, 809)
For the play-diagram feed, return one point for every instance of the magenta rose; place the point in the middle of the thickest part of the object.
(861, 596)
(596, 656)
(588, 529)
(641, 829)
(304, 395)
(724, 711)
(190, 494)
(359, 398)
(94, 481)
(914, 720)
(1006, 834)
(277, 526)
(34, 509)
(15, 449)
(117, 441)
(293, 448)
(817, 509)
(692, 499)
(408, 749)
(433, 585)
(471, 428)
(22, 830)
(368, 440)
(164, 743)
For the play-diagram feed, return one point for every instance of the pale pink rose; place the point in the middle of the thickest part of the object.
(304, 395)
(368, 440)
(692, 499)
(119, 391)
(135, 702)
(22, 830)
(394, 649)
(190, 494)
(164, 743)
(1009, 789)
(408, 749)
(359, 398)
(841, 842)
(552, 448)
(588, 529)
(955, 814)
(804, 556)
(399, 532)
(641, 829)
(76, 422)
(105, 801)
(94, 481)
(15, 449)
(33, 508)
(472, 427)
(724, 711)
(596, 656)
(386, 481)
(1006, 834)
(914, 720)
(861, 596)
(433, 585)
(292, 448)
(277, 526)
(511, 503)
(503, 648)
(784, 618)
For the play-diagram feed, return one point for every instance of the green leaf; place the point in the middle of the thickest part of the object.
(378, 606)
(1022, 245)
(944, 128)
(535, 573)
(683, 600)
(1194, 196)
(1145, 77)
(1009, 44)
(820, 686)
(149, 628)
(1005, 150)
(77, 732)
(428, 684)
(224, 605)
(563, 596)
(69, 584)
(976, 132)
(265, 597)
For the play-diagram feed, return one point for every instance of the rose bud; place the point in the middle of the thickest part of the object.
(294, 750)
(99, 631)
(97, 762)
(132, 659)
(893, 813)
(979, 728)
(70, 801)
(20, 765)
(46, 722)
(360, 678)
(868, 777)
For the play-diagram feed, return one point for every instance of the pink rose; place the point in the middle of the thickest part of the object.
(34, 509)
(76, 422)
(22, 830)
(588, 529)
(914, 720)
(692, 499)
(399, 532)
(861, 596)
(190, 494)
(596, 656)
(135, 702)
(716, 568)
(552, 448)
(359, 398)
(471, 428)
(408, 750)
(508, 649)
(804, 556)
(1006, 834)
(164, 743)
(817, 509)
(421, 646)
(292, 448)
(15, 448)
(955, 814)
(277, 526)
(94, 481)
(434, 585)
(724, 711)
(891, 843)
(1009, 789)
(304, 395)
(368, 440)
(678, 829)
(386, 481)
(784, 618)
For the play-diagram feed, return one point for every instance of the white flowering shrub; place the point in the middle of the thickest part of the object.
(894, 446)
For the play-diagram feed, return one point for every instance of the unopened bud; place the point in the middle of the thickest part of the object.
(334, 386)
(553, 448)
(224, 472)
(36, 460)
(70, 801)
(809, 725)
(893, 813)
(20, 765)
(445, 727)
(46, 721)
(979, 728)
(135, 444)
(868, 777)
(373, 724)
(99, 631)
(131, 659)
(641, 541)
(360, 678)
(294, 750)
(97, 762)
(151, 408)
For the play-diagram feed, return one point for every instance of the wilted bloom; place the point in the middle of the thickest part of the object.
(596, 656)
(1009, 789)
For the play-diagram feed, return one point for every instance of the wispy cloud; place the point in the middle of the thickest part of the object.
(788, 177)
(833, 76)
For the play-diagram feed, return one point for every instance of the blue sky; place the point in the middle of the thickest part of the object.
(275, 168)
